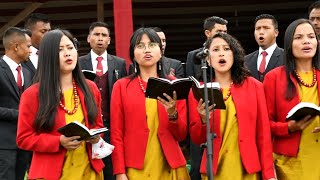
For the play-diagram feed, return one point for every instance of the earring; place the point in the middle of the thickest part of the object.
(160, 65)
(135, 66)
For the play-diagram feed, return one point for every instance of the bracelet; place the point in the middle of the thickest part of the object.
(173, 116)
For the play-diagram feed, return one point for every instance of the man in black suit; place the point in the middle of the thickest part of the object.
(14, 80)
(212, 25)
(172, 68)
(38, 24)
(314, 16)
(109, 69)
(269, 55)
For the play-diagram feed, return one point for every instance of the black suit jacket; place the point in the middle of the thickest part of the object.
(275, 61)
(168, 64)
(193, 69)
(9, 103)
(116, 68)
(28, 65)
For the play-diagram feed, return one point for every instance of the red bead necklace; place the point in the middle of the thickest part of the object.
(229, 93)
(141, 85)
(75, 98)
(304, 83)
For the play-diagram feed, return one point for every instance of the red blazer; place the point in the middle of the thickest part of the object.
(254, 129)
(275, 85)
(48, 155)
(129, 128)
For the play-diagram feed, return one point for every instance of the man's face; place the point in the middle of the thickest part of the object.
(314, 17)
(163, 41)
(38, 31)
(216, 29)
(265, 33)
(99, 40)
(23, 49)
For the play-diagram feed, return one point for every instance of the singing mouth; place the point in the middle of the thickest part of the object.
(306, 48)
(147, 57)
(222, 61)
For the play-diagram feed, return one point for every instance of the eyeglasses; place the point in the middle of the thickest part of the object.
(150, 45)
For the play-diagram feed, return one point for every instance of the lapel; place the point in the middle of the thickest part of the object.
(239, 93)
(27, 78)
(253, 65)
(274, 59)
(165, 66)
(9, 76)
(111, 70)
(30, 66)
(83, 104)
(87, 63)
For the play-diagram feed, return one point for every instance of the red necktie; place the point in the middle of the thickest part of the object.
(19, 77)
(262, 67)
(99, 71)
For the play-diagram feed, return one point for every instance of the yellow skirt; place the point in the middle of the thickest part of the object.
(155, 163)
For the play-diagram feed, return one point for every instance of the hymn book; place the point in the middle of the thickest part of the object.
(91, 75)
(157, 86)
(75, 128)
(214, 93)
(303, 109)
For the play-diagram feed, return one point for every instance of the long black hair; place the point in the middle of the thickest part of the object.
(238, 71)
(289, 59)
(48, 77)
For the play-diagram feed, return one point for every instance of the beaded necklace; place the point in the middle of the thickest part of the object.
(304, 83)
(141, 85)
(229, 93)
(75, 98)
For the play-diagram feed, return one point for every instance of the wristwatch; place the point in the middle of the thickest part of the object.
(173, 116)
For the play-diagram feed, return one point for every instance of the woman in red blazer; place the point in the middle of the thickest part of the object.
(61, 95)
(295, 142)
(242, 148)
(146, 132)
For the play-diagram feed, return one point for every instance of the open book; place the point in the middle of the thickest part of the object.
(214, 91)
(157, 86)
(303, 109)
(91, 75)
(75, 128)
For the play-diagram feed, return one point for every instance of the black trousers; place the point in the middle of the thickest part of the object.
(14, 163)
(196, 156)
(107, 170)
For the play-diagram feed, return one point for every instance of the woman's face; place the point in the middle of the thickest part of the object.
(304, 44)
(68, 55)
(221, 56)
(147, 53)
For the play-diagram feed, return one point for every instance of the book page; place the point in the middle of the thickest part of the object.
(195, 81)
(170, 82)
(215, 85)
(97, 131)
(88, 71)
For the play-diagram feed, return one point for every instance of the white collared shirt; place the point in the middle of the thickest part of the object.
(270, 51)
(13, 66)
(34, 56)
(95, 62)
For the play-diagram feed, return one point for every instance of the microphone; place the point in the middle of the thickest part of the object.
(200, 55)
